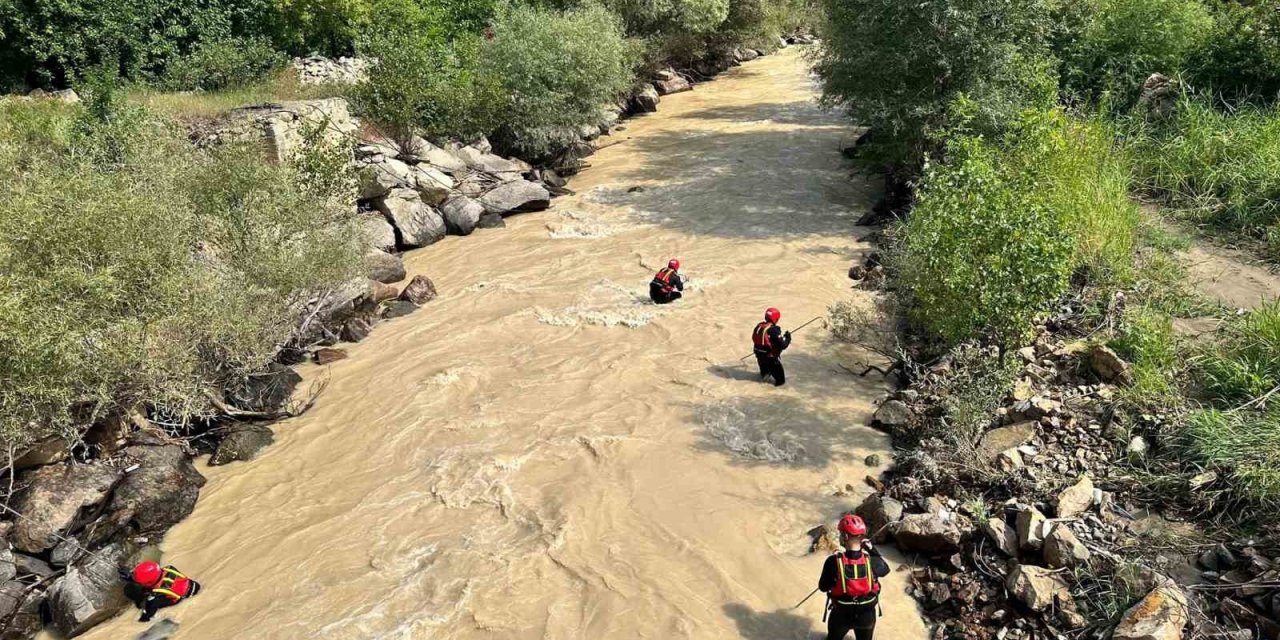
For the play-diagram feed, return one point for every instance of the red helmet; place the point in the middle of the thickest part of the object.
(147, 573)
(852, 525)
(674, 264)
(772, 315)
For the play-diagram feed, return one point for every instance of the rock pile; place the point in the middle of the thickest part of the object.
(315, 69)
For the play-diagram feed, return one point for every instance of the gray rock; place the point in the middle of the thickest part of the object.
(872, 460)
(668, 82)
(89, 593)
(931, 533)
(491, 221)
(489, 163)
(646, 100)
(355, 329)
(8, 568)
(12, 593)
(515, 197)
(159, 493)
(382, 236)
(378, 179)
(242, 442)
(416, 223)
(427, 153)
(1159, 96)
(461, 214)
(53, 497)
(1038, 588)
(1002, 535)
(49, 451)
(1161, 615)
(280, 126)
(1063, 549)
(162, 630)
(433, 186)
(398, 309)
(266, 392)
(879, 512)
(25, 565)
(383, 267)
(1076, 499)
(892, 413)
(26, 617)
(1108, 366)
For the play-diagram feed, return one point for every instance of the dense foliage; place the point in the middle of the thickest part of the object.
(99, 311)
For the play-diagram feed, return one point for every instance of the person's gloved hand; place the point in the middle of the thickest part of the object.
(124, 575)
(787, 335)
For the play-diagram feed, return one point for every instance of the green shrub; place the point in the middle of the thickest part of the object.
(1145, 338)
(1221, 168)
(426, 84)
(998, 228)
(1124, 41)
(652, 17)
(224, 64)
(898, 67)
(1241, 56)
(1244, 362)
(557, 70)
(1244, 446)
(136, 269)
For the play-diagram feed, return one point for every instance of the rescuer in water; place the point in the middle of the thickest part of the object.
(769, 341)
(851, 581)
(159, 587)
(667, 285)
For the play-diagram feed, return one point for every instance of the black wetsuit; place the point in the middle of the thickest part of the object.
(846, 615)
(671, 291)
(769, 359)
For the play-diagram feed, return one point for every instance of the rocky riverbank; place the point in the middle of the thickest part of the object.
(88, 509)
(1029, 512)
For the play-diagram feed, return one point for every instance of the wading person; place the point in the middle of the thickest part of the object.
(156, 587)
(667, 285)
(851, 581)
(769, 341)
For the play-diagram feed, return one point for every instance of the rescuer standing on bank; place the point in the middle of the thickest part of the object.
(851, 581)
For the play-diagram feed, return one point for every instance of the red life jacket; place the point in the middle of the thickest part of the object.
(760, 338)
(663, 279)
(173, 585)
(856, 581)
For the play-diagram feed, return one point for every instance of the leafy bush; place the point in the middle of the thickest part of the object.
(1241, 56)
(223, 64)
(425, 84)
(998, 229)
(652, 17)
(557, 70)
(1245, 363)
(898, 67)
(1244, 446)
(99, 311)
(1125, 41)
(1223, 168)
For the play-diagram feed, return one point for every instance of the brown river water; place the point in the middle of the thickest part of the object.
(541, 452)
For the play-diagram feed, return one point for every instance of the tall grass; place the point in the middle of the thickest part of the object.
(1245, 362)
(1243, 446)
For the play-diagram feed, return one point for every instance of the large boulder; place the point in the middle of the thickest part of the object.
(479, 160)
(433, 185)
(159, 493)
(426, 153)
(242, 442)
(23, 607)
(53, 498)
(461, 214)
(419, 290)
(668, 82)
(1063, 549)
(513, 197)
(89, 593)
(377, 179)
(382, 236)
(416, 223)
(879, 512)
(1039, 588)
(491, 221)
(380, 266)
(1076, 499)
(892, 413)
(931, 533)
(8, 567)
(646, 100)
(1161, 615)
(282, 128)
(265, 392)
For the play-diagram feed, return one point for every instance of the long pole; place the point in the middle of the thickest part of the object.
(806, 598)
(793, 331)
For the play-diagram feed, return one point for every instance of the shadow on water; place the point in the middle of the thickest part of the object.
(772, 625)
(748, 185)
